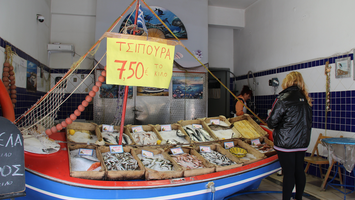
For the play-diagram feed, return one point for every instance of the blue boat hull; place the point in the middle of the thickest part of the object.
(38, 187)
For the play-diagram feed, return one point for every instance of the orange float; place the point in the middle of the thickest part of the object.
(6, 103)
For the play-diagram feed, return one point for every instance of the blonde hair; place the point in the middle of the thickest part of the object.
(295, 79)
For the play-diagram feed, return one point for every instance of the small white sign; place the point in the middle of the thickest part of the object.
(255, 141)
(166, 127)
(205, 149)
(196, 126)
(147, 153)
(137, 129)
(228, 145)
(116, 149)
(86, 152)
(215, 121)
(176, 151)
(108, 128)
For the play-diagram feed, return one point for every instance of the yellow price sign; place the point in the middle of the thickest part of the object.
(139, 63)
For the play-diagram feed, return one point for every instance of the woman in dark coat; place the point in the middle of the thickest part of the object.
(291, 119)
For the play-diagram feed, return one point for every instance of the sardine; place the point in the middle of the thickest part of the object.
(206, 135)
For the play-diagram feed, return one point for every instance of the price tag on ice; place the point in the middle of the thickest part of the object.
(215, 121)
(205, 149)
(176, 151)
(166, 127)
(147, 153)
(228, 145)
(196, 126)
(86, 152)
(255, 141)
(108, 128)
(116, 149)
(137, 129)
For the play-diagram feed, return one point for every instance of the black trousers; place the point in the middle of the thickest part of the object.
(292, 164)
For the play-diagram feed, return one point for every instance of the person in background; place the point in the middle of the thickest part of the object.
(291, 119)
(244, 95)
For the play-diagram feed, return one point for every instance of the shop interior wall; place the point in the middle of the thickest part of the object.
(193, 14)
(282, 36)
(28, 39)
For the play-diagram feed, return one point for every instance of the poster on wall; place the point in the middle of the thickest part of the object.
(31, 85)
(342, 67)
(188, 87)
(111, 91)
(20, 66)
(151, 91)
(153, 25)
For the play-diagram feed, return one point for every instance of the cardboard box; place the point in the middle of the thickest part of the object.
(208, 167)
(146, 128)
(264, 140)
(118, 128)
(97, 175)
(222, 118)
(123, 174)
(204, 126)
(253, 125)
(217, 147)
(90, 128)
(174, 127)
(239, 143)
(151, 174)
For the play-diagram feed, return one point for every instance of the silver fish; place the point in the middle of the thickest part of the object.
(180, 133)
(120, 161)
(206, 135)
(217, 158)
(157, 162)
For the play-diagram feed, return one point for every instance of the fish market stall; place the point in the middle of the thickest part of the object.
(189, 175)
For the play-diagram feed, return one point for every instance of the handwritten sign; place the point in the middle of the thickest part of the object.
(12, 160)
(197, 126)
(166, 127)
(215, 121)
(205, 149)
(137, 129)
(86, 152)
(116, 149)
(255, 141)
(148, 154)
(228, 145)
(108, 128)
(139, 63)
(177, 151)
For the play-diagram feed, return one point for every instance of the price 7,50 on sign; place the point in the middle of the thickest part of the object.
(139, 63)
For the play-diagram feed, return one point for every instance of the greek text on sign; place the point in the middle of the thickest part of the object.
(139, 62)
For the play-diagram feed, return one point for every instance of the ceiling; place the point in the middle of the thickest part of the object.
(239, 4)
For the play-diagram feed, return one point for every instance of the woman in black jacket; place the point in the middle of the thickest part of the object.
(291, 119)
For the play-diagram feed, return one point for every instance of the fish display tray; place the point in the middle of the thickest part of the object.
(225, 120)
(265, 140)
(146, 128)
(151, 174)
(82, 126)
(174, 127)
(204, 126)
(254, 125)
(97, 175)
(209, 168)
(124, 174)
(118, 128)
(217, 147)
(247, 147)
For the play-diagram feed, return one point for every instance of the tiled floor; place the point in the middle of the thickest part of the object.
(312, 190)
